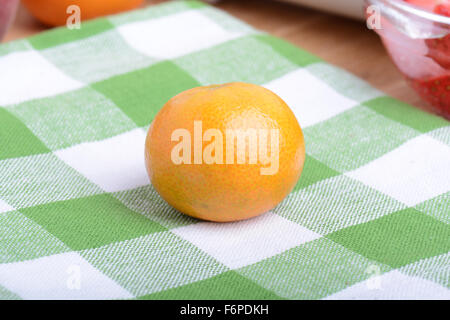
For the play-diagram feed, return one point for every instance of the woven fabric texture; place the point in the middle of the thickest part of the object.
(368, 219)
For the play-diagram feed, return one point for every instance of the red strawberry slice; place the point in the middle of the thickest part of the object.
(437, 6)
(442, 9)
(426, 4)
(436, 92)
(439, 51)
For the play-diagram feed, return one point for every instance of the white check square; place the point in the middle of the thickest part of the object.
(60, 276)
(393, 286)
(414, 172)
(26, 75)
(114, 164)
(175, 35)
(4, 207)
(239, 244)
(311, 99)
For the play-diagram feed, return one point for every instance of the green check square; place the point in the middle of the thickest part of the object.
(14, 46)
(434, 269)
(293, 53)
(438, 207)
(236, 60)
(311, 271)
(140, 94)
(314, 171)
(153, 263)
(38, 179)
(335, 203)
(229, 285)
(61, 35)
(91, 222)
(354, 138)
(71, 118)
(397, 239)
(149, 203)
(405, 114)
(96, 58)
(16, 140)
(22, 239)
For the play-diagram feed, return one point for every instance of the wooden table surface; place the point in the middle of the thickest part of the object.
(342, 42)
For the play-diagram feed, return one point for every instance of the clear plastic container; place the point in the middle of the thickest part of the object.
(418, 42)
(7, 13)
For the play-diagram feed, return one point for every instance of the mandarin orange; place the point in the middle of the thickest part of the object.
(54, 12)
(225, 152)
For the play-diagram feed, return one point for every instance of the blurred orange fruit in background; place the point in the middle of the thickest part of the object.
(224, 191)
(54, 12)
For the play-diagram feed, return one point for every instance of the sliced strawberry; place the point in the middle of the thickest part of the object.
(443, 9)
(426, 4)
(436, 92)
(439, 50)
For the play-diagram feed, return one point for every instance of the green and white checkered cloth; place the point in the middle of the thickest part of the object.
(368, 219)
